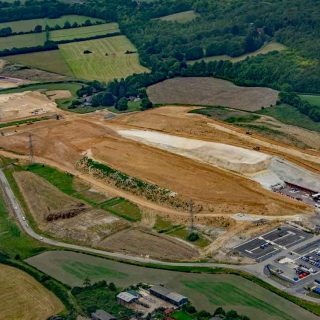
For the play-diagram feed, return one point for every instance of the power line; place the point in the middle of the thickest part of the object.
(30, 149)
(191, 215)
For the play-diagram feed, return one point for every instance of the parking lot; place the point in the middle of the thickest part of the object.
(300, 265)
(271, 243)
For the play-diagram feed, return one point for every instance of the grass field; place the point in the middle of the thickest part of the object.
(290, 115)
(24, 298)
(206, 291)
(71, 86)
(312, 99)
(106, 61)
(84, 32)
(23, 41)
(183, 233)
(29, 25)
(51, 61)
(271, 46)
(122, 208)
(180, 17)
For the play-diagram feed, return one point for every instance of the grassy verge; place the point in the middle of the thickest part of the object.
(122, 208)
(13, 242)
(183, 233)
(20, 122)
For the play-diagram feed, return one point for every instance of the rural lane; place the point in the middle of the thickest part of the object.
(256, 269)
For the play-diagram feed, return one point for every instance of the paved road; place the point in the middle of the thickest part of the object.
(256, 269)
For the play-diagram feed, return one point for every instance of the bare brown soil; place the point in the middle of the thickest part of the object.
(90, 226)
(26, 73)
(212, 92)
(218, 191)
(42, 198)
(58, 94)
(143, 243)
(26, 104)
(6, 82)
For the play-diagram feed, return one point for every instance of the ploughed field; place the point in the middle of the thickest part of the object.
(23, 298)
(211, 92)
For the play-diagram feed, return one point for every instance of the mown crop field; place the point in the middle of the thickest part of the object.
(84, 32)
(206, 291)
(45, 60)
(23, 41)
(102, 59)
(24, 298)
(180, 17)
(29, 25)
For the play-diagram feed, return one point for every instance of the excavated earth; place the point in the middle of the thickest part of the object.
(219, 191)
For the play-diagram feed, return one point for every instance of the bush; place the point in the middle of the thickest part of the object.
(193, 236)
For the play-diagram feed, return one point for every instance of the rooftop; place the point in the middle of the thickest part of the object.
(126, 296)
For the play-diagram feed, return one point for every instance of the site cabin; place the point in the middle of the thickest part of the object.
(102, 315)
(168, 295)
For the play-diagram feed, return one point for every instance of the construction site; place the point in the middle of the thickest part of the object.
(240, 184)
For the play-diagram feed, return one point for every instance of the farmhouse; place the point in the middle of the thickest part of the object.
(168, 295)
(102, 315)
(126, 298)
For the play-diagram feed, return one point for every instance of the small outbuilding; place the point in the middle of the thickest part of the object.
(168, 295)
(126, 298)
(102, 315)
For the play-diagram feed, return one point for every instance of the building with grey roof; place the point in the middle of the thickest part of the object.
(102, 315)
(168, 295)
(125, 298)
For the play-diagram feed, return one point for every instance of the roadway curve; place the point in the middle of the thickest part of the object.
(256, 269)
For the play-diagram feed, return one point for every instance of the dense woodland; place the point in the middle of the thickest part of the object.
(231, 27)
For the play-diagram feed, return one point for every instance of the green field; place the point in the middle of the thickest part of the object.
(51, 61)
(180, 17)
(84, 32)
(183, 233)
(106, 61)
(123, 208)
(23, 41)
(290, 115)
(206, 291)
(29, 25)
(312, 99)
(71, 86)
(269, 47)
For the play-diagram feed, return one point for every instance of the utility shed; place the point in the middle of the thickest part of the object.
(102, 315)
(168, 295)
